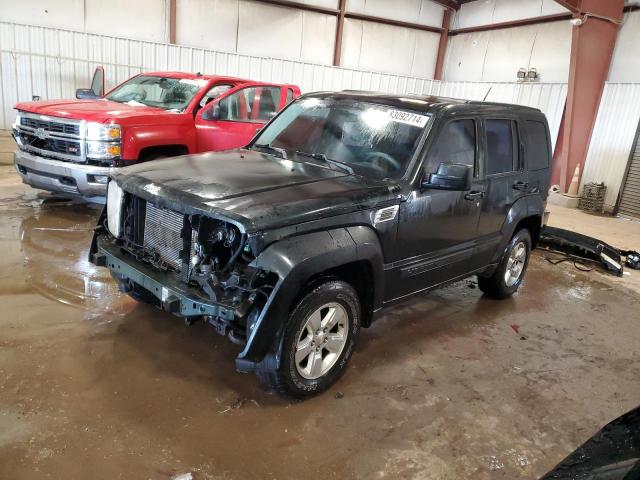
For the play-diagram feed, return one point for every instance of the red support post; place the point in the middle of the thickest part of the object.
(592, 47)
(442, 46)
(337, 47)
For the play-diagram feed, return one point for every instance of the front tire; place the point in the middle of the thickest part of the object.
(318, 341)
(509, 274)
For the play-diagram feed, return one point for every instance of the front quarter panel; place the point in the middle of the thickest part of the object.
(137, 138)
(296, 260)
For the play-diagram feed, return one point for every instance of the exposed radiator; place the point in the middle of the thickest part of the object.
(162, 229)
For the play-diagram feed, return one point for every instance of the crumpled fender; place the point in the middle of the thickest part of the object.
(296, 260)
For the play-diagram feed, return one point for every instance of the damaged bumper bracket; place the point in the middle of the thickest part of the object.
(173, 297)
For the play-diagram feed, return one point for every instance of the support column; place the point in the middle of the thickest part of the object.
(592, 47)
(172, 21)
(337, 48)
(442, 46)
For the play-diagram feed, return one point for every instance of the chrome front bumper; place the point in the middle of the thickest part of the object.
(61, 177)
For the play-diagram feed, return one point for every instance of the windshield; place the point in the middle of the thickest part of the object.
(375, 140)
(162, 92)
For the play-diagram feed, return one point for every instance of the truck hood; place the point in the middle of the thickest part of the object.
(256, 190)
(99, 110)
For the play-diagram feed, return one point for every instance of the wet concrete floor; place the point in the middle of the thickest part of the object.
(450, 385)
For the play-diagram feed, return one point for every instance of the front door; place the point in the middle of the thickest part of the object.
(506, 182)
(437, 228)
(232, 120)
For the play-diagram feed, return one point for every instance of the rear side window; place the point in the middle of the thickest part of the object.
(502, 152)
(455, 144)
(289, 95)
(537, 145)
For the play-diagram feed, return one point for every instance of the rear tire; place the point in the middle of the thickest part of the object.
(318, 341)
(508, 276)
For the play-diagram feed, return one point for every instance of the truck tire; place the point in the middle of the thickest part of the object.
(318, 341)
(508, 276)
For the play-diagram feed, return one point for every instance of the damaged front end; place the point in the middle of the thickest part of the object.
(189, 264)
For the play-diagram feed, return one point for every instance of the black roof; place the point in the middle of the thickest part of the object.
(424, 103)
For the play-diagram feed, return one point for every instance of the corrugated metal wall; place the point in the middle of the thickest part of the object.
(53, 63)
(613, 137)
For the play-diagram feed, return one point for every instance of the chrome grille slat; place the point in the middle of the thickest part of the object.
(54, 127)
(54, 137)
(162, 229)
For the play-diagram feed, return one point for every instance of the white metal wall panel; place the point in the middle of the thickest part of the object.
(423, 12)
(497, 55)
(207, 24)
(612, 138)
(486, 12)
(625, 65)
(290, 33)
(368, 45)
(54, 63)
(50, 13)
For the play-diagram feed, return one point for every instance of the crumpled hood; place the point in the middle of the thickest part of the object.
(257, 190)
(98, 110)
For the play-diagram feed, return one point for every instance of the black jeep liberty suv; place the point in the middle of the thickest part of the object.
(343, 204)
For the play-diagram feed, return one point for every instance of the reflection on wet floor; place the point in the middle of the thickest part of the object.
(55, 239)
(447, 385)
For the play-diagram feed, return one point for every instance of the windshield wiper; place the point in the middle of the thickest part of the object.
(267, 146)
(322, 157)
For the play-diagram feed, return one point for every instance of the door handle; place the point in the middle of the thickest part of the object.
(473, 195)
(520, 185)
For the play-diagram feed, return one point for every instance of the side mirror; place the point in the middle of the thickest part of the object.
(86, 93)
(450, 176)
(211, 113)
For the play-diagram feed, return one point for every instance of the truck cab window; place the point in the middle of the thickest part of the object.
(214, 92)
(456, 143)
(502, 154)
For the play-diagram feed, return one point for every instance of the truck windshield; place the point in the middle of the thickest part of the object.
(374, 140)
(162, 92)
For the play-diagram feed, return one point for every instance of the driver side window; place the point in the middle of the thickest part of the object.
(214, 92)
(456, 144)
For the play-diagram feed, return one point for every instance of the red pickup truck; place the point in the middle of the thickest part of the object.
(71, 146)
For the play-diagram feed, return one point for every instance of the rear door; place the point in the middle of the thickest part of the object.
(506, 181)
(232, 119)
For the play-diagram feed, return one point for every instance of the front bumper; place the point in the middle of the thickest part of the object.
(61, 177)
(174, 296)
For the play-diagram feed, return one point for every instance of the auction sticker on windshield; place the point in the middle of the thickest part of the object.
(409, 118)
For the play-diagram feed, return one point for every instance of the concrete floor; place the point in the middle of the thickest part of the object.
(450, 385)
(7, 146)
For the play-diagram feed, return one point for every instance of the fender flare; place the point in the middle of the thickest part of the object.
(296, 260)
(522, 208)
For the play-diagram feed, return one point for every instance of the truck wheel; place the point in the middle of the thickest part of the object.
(318, 340)
(509, 274)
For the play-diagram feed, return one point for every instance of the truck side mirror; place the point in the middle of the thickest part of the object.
(86, 93)
(450, 176)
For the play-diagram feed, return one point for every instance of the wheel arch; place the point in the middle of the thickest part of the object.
(352, 254)
(170, 150)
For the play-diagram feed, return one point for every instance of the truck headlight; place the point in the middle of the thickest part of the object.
(103, 131)
(17, 122)
(103, 150)
(115, 196)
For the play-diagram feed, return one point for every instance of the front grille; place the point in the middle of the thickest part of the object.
(163, 234)
(51, 126)
(51, 137)
(51, 144)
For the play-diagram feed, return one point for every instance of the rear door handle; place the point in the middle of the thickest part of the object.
(520, 186)
(473, 195)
